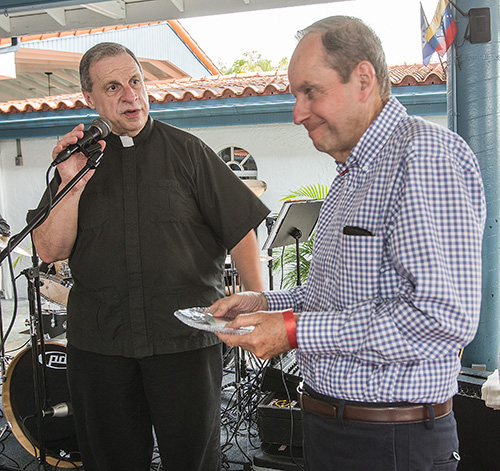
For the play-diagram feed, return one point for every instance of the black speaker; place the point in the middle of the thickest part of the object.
(478, 425)
(272, 457)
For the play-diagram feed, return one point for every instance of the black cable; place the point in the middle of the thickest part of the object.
(288, 397)
(239, 410)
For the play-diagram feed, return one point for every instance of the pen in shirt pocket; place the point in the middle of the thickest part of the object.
(356, 231)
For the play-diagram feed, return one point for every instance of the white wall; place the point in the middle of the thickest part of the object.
(21, 189)
(284, 154)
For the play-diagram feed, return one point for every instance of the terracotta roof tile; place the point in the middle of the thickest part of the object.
(417, 74)
(221, 86)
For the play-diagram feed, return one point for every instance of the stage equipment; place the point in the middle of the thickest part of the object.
(257, 186)
(272, 457)
(477, 424)
(19, 406)
(19, 250)
(294, 224)
(54, 289)
(279, 417)
(40, 393)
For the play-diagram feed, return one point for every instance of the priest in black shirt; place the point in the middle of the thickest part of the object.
(146, 234)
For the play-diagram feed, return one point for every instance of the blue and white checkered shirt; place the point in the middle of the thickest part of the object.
(383, 317)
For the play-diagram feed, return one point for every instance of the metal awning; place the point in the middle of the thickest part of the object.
(23, 17)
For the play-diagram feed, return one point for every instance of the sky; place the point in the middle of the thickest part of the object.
(225, 38)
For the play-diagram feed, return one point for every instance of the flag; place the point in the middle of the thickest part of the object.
(427, 49)
(442, 29)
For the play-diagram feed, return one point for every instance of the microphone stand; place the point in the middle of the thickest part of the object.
(33, 276)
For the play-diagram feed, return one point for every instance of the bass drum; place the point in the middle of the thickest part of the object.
(61, 446)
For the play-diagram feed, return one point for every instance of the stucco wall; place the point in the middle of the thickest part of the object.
(285, 157)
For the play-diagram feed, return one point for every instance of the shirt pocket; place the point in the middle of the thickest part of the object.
(167, 202)
(93, 212)
(357, 269)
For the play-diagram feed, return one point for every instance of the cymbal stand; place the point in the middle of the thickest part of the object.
(239, 354)
(32, 274)
(37, 352)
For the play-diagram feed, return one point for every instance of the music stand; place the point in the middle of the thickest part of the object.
(295, 223)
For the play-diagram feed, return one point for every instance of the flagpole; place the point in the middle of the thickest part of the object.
(442, 66)
(458, 9)
(427, 23)
(439, 56)
(427, 27)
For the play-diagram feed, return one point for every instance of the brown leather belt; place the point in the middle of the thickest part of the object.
(404, 414)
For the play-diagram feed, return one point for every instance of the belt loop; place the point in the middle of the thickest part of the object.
(429, 425)
(340, 413)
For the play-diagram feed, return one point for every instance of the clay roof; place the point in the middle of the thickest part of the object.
(221, 86)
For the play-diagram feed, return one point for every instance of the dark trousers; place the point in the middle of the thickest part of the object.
(341, 445)
(117, 401)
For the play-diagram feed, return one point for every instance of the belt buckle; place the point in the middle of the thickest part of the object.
(300, 392)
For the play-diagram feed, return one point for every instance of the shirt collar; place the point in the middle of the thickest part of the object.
(375, 137)
(117, 141)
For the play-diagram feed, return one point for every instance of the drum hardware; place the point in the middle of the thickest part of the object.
(62, 269)
(54, 289)
(258, 187)
(40, 380)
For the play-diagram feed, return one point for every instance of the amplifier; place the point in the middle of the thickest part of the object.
(280, 372)
(272, 457)
(478, 425)
(279, 421)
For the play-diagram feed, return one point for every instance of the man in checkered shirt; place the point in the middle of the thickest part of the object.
(394, 289)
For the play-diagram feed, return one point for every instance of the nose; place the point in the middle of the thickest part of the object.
(129, 94)
(300, 111)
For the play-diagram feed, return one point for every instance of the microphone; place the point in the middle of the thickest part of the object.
(63, 409)
(99, 129)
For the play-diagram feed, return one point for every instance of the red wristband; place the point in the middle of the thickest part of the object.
(291, 328)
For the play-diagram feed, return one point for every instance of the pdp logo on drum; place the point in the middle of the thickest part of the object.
(55, 360)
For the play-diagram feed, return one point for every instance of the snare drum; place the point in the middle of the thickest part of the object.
(54, 289)
(18, 396)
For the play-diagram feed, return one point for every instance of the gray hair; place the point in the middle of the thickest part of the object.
(95, 54)
(347, 42)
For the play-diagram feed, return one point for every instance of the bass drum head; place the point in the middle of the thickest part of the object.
(61, 446)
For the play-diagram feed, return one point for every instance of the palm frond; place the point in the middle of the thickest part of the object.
(315, 192)
(285, 258)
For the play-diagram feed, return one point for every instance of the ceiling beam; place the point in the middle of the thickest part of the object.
(57, 14)
(115, 9)
(5, 23)
(179, 4)
(165, 69)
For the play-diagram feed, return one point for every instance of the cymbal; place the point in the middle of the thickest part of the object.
(257, 186)
(263, 258)
(20, 250)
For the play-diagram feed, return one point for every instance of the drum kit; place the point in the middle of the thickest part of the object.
(18, 391)
(35, 402)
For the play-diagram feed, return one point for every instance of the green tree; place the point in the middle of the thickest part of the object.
(253, 62)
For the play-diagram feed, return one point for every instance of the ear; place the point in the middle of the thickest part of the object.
(88, 99)
(364, 73)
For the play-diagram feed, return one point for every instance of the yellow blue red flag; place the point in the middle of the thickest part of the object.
(442, 29)
(427, 49)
